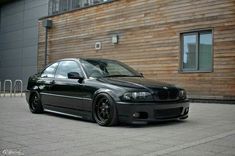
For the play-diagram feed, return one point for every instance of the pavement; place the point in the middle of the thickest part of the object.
(209, 131)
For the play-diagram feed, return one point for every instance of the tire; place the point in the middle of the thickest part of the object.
(104, 110)
(35, 105)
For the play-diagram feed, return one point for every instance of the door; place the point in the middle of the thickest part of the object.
(45, 83)
(68, 93)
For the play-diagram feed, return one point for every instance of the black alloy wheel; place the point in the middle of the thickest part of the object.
(104, 111)
(35, 105)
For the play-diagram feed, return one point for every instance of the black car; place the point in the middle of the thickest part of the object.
(103, 90)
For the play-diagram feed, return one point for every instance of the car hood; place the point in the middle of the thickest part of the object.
(136, 82)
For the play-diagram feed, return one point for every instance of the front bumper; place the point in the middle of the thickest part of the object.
(149, 112)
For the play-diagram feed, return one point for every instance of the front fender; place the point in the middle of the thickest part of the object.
(111, 93)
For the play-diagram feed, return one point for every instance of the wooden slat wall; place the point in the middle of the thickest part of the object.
(149, 35)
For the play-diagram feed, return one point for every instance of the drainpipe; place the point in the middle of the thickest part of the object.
(47, 23)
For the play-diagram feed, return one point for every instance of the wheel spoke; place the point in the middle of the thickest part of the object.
(105, 101)
(35, 101)
(106, 117)
(35, 104)
(99, 109)
(102, 114)
(103, 109)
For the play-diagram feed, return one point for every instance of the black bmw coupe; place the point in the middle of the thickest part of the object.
(106, 91)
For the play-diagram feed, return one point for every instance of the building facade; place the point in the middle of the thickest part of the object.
(188, 43)
(19, 37)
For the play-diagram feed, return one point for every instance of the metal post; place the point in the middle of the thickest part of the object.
(47, 23)
(21, 87)
(46, 36)
(4, 87)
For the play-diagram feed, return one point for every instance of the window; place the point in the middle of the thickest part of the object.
(107, 68)
(49, 72)
(92, 70)
(196, 51)
(116, 69)
(58, 6)
(76, 4)
(66, 67)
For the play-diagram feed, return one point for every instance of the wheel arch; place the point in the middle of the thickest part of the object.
(110, 95)
(104, 91)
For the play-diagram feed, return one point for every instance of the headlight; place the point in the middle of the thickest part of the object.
(182, 94)
(137, 96)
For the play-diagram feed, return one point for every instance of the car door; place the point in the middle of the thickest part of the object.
(45, 83)
(69, 93)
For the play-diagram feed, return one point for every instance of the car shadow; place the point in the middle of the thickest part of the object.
(154, 124)
(123, 125)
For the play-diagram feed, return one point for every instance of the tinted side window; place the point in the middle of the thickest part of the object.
(66, 67)
(50, 71)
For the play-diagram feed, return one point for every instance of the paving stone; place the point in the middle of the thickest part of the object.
(209, 130)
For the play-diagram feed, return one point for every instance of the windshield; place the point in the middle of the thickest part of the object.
(107, 68)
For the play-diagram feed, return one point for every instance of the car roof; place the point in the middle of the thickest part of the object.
(68, 59)
(98, 59)
(76, 59)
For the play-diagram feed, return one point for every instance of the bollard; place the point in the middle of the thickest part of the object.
(20, 82)
(4, 87)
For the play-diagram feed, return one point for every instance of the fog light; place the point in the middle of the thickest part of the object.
(136, 115)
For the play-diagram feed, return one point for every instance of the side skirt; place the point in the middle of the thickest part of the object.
(69, 112)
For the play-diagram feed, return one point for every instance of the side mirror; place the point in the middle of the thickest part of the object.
(75, 75)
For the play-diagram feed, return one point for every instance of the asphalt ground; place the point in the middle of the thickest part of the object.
(209, 131)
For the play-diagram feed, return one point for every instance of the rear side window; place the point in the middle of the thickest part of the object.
(50, 71)
(66, 67)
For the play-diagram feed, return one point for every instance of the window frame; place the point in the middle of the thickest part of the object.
(181, 51)
(42, 72)
(78, 64)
